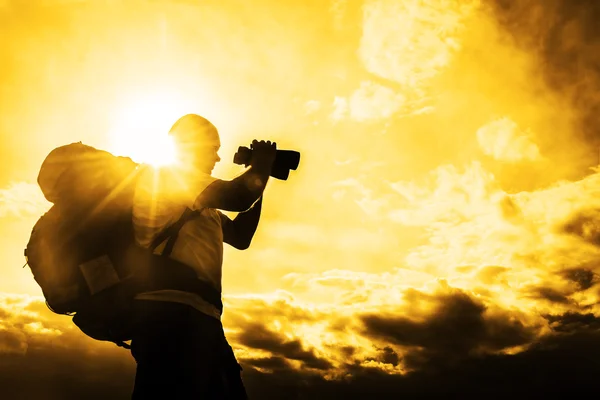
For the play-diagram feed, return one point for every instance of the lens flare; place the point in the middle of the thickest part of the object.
(140, 128)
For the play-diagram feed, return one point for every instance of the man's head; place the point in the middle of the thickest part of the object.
(197, 142)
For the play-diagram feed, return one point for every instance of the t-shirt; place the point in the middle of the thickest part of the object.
(161, 196)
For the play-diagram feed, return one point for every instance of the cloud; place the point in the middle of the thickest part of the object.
(399, 44)
(257, 336)
(502, 140)
(340, 108)
(364, 196)
(550, 294)
(403, 55)
(12, 341)
(28, 319)
(471, 220)
(457, 326)
(313, 351)
(312, 106)
(338, 8)
(561, 363)
(571, 322)
(43, 355)
(396, 336)
(533, 251)
(370, 101)
(492, 275)
(509, 260)
(562, 35)
(585, 223)
(584, 278)
(22, 199)
(452, 282)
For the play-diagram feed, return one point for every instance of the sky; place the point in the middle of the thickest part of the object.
(441, 235)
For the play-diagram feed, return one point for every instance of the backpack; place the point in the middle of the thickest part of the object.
(82, 251)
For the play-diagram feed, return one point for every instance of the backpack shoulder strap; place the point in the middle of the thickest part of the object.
(172, 231)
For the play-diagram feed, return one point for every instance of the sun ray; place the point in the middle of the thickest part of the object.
(141, 124)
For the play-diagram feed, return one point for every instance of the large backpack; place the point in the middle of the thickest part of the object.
(82, 252)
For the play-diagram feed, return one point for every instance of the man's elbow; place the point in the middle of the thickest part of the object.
(232, 196)
(240, 200)
(242, 244)
(243, 201)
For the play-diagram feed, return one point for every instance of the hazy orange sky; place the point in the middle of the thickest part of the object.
(446, 204)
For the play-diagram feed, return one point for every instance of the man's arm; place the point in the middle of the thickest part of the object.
(237, 194)
(240, 193)
(239, 232)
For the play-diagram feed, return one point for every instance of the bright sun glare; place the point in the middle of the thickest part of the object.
(140, 128)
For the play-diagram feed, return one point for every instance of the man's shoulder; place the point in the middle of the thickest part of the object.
(160, 179)
(156, 185)
(171, 184)
(168, 173)
(150, 172)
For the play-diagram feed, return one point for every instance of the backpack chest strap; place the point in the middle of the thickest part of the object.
(172, 232)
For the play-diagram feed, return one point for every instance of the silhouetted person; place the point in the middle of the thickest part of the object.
(178, 341)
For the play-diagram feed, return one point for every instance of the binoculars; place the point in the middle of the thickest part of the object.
(285, 160)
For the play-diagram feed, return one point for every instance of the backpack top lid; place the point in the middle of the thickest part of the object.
(82, 173)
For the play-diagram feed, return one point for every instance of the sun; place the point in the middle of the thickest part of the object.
(140, 128)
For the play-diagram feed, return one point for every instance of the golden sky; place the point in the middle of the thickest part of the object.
(445, 207)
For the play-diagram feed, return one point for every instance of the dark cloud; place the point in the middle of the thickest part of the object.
(62, 373)
(458, 327)
(269, 363)
(72, 366)
(348, 351)
(564, 37)
(586, 225)
(492, 274)
(257, 336)
(549, 294)
(386, 355)
(510, 210)
(465, 269)
(389, 356)
(44, 356)
(560, 364)
(238, 310)
(12, 341)
(583, 278)
(572, 322)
